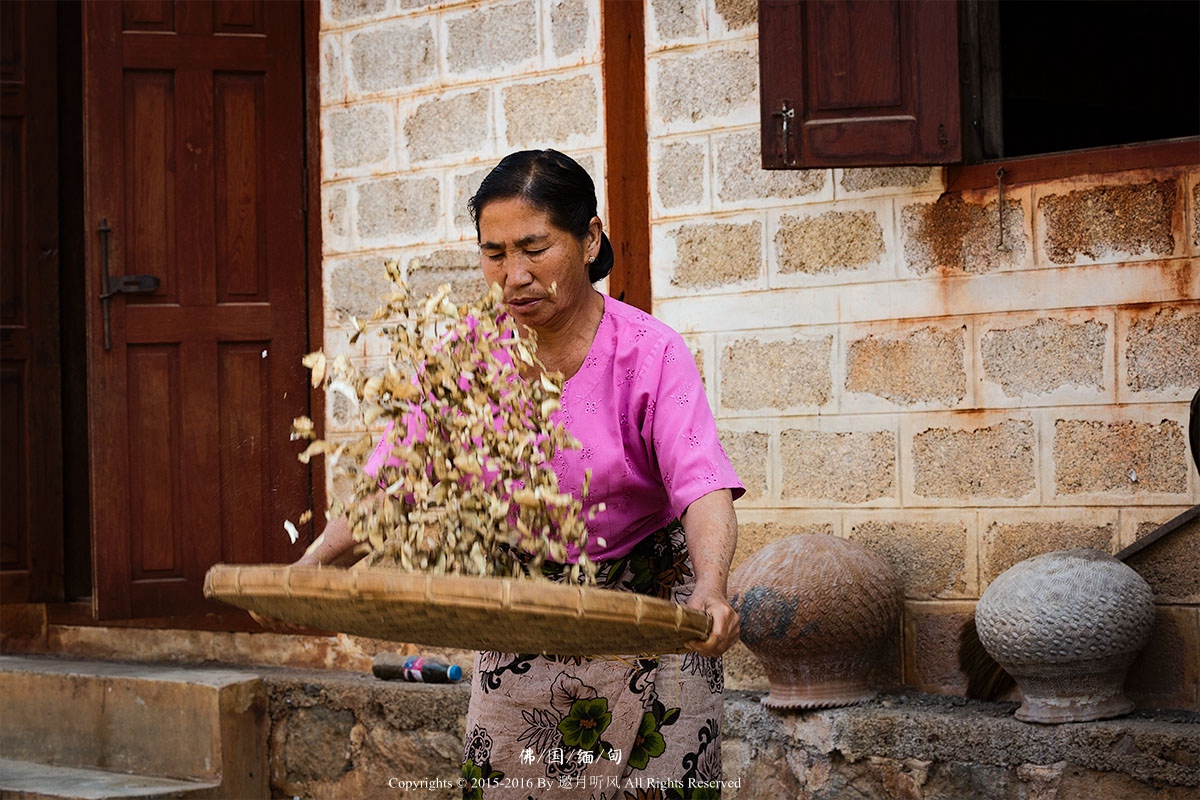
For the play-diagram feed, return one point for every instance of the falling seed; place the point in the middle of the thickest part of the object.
(316, 363)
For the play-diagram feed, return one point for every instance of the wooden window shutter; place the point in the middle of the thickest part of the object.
(859, 83)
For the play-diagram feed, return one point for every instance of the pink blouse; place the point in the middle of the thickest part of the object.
(637, 405)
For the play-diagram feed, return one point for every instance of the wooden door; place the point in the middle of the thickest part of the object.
(31, 530)
(194, 161)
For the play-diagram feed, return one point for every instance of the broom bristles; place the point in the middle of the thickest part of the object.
(986, 679)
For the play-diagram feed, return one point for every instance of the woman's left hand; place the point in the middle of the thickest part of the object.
(710, 526)
(725, 625)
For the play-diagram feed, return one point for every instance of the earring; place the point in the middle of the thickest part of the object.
(590, 260)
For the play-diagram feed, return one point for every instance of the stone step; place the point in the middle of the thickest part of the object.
(205, 728)
(25, 780)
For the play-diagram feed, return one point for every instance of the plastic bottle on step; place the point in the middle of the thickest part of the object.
(419, 669)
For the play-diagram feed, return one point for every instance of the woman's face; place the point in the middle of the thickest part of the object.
(541, 268)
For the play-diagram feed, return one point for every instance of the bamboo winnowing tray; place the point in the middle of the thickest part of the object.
(506, 614)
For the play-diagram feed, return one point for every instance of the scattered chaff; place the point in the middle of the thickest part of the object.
(468, 483)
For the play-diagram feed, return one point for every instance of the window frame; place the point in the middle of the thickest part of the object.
(1072, 163)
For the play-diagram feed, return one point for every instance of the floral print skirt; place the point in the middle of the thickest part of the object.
(606, 728)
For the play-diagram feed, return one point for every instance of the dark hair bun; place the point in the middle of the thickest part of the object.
(598, 270)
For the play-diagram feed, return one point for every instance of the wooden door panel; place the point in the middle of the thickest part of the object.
(241, 250)
(236, 16)
(31, 496)
(244, 387)
(867, 71)
(154, 442)
(12, 231)
(15, 561)
(194, 200)
(148, 15)
(149, 156)
(204, 373)
(859, 63)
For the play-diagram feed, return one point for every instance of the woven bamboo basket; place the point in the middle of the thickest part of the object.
(469, 613)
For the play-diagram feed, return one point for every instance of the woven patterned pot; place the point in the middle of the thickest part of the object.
(1067, 625)
(821, 615)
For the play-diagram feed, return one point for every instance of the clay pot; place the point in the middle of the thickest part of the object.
(821, 614)
(1067, 625)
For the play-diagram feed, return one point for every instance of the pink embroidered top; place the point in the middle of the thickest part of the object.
(637, 405)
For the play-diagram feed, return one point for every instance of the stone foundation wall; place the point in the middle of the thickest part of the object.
(352, 736)
(335, 731)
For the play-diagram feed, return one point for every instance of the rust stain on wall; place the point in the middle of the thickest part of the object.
(954, 236)
(941, 229)
(1183, 275)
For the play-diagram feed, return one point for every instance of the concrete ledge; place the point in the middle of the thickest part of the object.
(23, 780)
(200, 725)
(346, 734)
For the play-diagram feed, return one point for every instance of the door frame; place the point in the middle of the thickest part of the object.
(627, 159)
(312, 220)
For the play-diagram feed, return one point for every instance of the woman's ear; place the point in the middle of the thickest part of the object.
(592, 244)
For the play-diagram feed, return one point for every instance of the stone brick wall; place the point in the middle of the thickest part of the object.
(956, 384)
(418, 101)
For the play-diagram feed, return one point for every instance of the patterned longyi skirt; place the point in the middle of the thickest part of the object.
(607, 728)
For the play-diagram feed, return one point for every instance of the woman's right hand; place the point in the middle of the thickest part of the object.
(333, 543)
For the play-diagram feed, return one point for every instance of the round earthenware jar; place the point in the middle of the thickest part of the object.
(1067, 625)
(821, 614)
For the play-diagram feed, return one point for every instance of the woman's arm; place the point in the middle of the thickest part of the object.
(333, 543)
(710, 525)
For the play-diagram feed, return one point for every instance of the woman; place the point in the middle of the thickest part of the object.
(634, 399)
